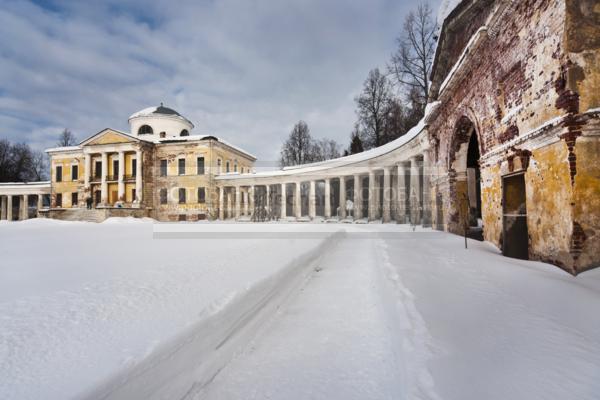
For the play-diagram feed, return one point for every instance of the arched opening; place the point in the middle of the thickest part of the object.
(184, 133)
(465, 211)
(145, 130)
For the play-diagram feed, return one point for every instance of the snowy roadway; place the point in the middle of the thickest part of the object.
(311, 311)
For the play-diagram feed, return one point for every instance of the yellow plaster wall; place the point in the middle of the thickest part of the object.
(491, 201)
(109, 138)
(549, 212)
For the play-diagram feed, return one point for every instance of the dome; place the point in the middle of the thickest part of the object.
(160, 111)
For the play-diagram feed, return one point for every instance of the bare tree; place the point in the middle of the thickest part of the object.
(18, 163)
(327, 149)
(6, 165)
(410, 65)
(66, 139)
(299, 148)
(356, 145)
(39, 165)
(373, 107)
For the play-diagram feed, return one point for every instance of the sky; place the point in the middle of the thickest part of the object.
(242, 70)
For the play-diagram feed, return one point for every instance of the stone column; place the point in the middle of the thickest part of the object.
(327, 198)
(121, 177)
(229, 205)
(312, 200)
(138, 177)
(251, 200)
(387, 194)
(268, 200)
(87, 173)
(40, 202)
(9, 204)
(221, 203)
(237, 202)
(283, 201)
(104, 185)
(402, 212)
(24, 207)
(357, 198)
(372, 197)
(343, 197)
(298, 200)
(426, 171)
(415, 191)
(245, 200)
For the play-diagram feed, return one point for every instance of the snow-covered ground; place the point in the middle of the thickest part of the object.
(325, 311)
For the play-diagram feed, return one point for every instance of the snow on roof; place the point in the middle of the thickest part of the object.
(192, 138)
(61, 149)
(342, 161)
(159, 111)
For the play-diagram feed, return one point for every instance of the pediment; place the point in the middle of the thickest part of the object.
(109, 136)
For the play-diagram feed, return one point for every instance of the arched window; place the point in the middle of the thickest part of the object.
(145, 130)
(184, 133)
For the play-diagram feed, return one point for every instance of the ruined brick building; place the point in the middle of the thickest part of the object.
(516, 86)
(509, 149)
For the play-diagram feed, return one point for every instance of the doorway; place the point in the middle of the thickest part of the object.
(515, 243)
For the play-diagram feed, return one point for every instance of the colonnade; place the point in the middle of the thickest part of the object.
(396, 192)
(18, 201)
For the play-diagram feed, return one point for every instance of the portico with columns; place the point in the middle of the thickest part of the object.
(21, 201)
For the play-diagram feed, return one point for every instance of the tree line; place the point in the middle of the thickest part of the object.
(390, 103)
(20, 163)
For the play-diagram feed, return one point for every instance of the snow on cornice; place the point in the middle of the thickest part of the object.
(471, 47)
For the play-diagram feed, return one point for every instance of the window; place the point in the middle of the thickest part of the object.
(200, 165)
(235, 167)
(163, 167)
(115, 169)
(133, 167)
(74, 172)
(242, 170)
(182, 217)
(145, 130)
(133, 195)
(58, 199)
(201, 195)
(181, 195)
(98, 169)
(163, 196)
(184, 133)
(219, 165)
(59, 173)
(181, 166)
(74, 199)
(227, 167)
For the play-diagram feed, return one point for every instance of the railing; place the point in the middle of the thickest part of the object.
(130, 177)
(95, 179)
(112, 178)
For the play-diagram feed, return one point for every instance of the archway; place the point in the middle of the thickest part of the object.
(465, 216)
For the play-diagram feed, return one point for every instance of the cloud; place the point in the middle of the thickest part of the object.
(244, 70)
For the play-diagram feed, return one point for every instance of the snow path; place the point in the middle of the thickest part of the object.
(502, 328)
(335, 340)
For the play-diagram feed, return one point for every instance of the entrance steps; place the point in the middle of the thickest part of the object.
(81, 214)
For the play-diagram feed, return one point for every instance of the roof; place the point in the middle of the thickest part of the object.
(159, 111)
(193, 138)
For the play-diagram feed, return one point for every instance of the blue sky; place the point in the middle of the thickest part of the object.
(244, 70)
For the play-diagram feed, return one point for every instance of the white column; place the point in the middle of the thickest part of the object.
(402, 212)
(268, 199)
(372, 197)
(40, 202)
(312, 200)
(387, 195)
(229, 214)
(426, 170)
(298, 200)
(283, 201)
(415, 191)
(121, 177)
(245, 199)
(357, 197)
(343, 197)
(327, 198)
(221, 203)
(237, 202)
(24, 207)
(104, 185)
(138, 177)
(87, 173)
(9, 204)
(251, 200)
